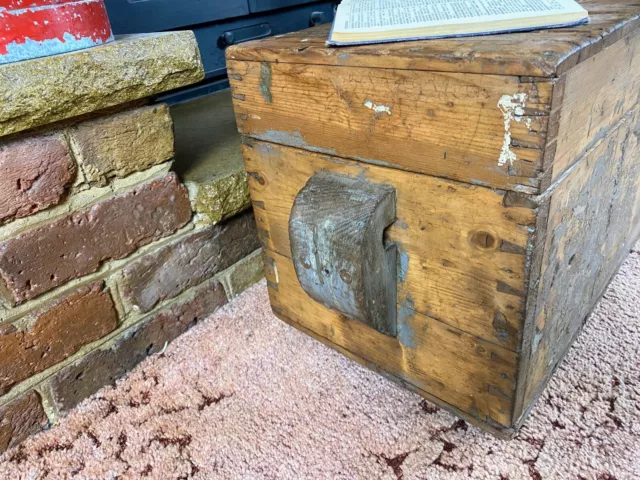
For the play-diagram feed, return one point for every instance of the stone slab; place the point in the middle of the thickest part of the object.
(209, 159)
(46, 90)
(219, 198)
(243, 274)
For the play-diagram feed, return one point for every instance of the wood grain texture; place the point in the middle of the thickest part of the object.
(594, 220)
(498, 430)
(595, 96)
(479, 129)
(336, 231)
(544, 53)
(462, 248)
(469, 373)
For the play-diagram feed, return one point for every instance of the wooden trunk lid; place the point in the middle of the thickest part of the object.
(543, 53)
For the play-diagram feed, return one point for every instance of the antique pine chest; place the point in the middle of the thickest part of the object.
(446, 212)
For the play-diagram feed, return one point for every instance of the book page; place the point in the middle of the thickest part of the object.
(381, 15)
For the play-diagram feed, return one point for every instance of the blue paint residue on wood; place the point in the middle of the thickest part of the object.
(406, 312)
(403, 264)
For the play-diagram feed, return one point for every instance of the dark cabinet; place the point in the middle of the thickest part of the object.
(265, 5)
(217, 24)
(129, 16)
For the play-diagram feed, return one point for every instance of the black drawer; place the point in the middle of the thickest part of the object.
(134, 16)
(265, 5)
(211, 37)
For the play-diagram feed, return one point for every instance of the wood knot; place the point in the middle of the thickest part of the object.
(483, 240)
(345, 276)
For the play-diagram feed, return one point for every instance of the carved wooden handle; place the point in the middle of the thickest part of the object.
(336, 232)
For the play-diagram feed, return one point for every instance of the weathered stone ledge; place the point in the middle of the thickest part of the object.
(208, 158)
(46, 90)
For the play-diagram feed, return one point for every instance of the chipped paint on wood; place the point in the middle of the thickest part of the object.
(594, 220)
(277, 136)
(294, 139)
(356, 111)
(406, 313)
(512, 108)
(378, 109)
(403, 264)
(265, 82)
(528, 123)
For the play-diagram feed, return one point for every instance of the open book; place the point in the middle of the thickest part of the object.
(377, 21)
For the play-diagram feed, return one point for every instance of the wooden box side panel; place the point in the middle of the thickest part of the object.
(594, 220)
(462, 251)
(486, 130)
(461, 278)
(588, 101)
(457, 369)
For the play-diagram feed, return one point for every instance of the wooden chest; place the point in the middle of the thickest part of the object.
(446, 212)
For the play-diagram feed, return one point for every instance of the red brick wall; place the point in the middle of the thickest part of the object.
(101, 262)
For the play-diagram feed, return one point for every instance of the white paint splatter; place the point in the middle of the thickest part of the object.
(377, 108)
(512, 108)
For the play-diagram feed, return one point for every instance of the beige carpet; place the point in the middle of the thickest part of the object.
(243, 395)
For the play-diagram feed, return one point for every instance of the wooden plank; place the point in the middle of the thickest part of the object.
(463, 248)
(594, 220)
(479, 129)
(597, 94)
(473, 375)
(498, 430)
(544, 53)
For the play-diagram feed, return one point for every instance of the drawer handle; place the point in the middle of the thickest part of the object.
(336, 230)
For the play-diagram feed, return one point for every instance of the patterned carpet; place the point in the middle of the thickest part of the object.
(243, 395)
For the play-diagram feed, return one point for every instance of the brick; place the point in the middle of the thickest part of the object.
(34, 175)
(123, 143)
(44, 257)
(184, 264)
(54, 333)
(245, 273)
(103, 367)
(20, 418)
